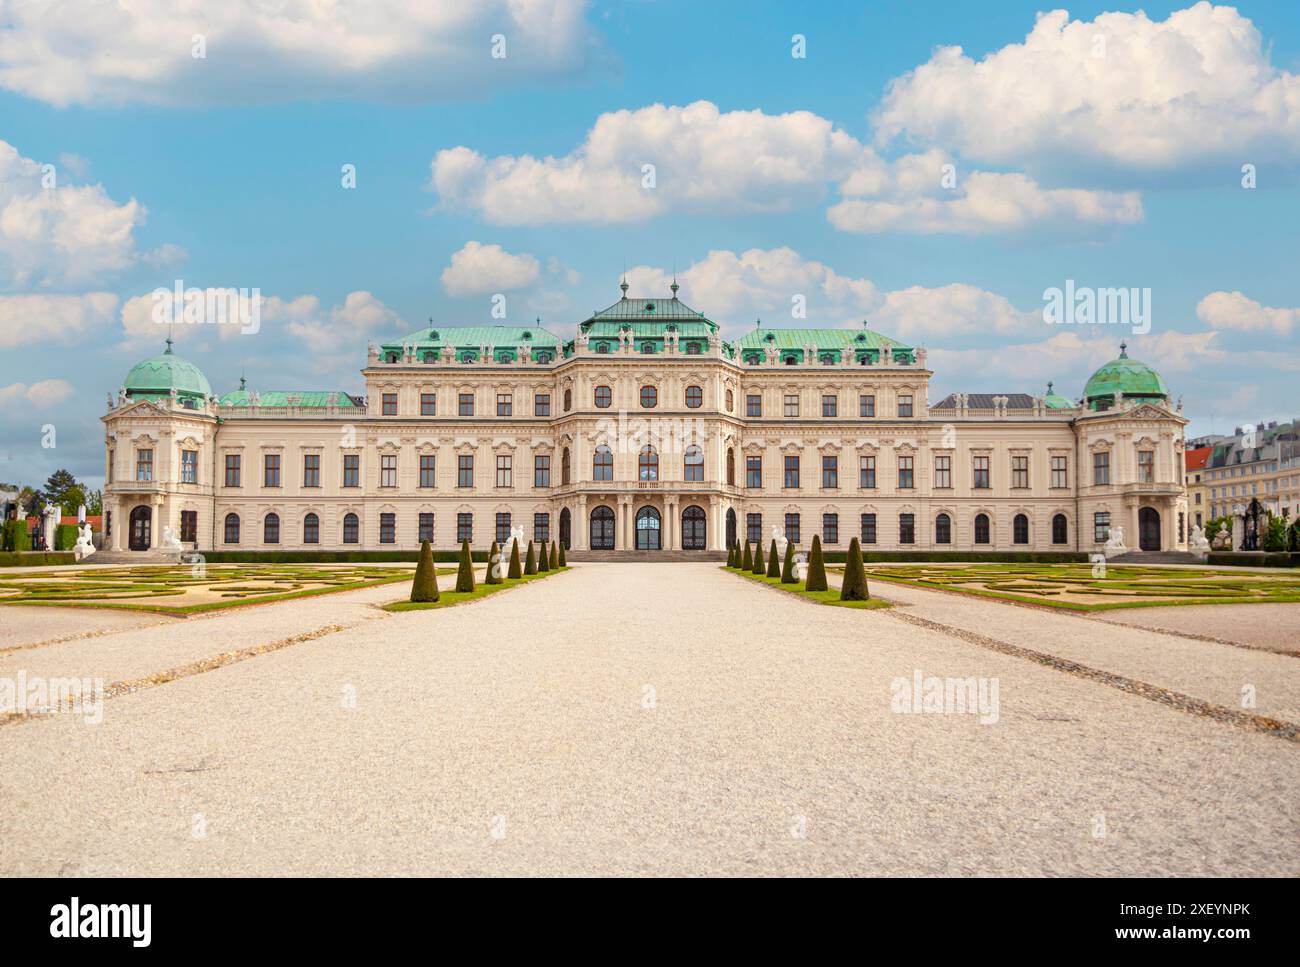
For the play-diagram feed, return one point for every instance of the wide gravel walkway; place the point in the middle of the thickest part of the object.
(628, 718)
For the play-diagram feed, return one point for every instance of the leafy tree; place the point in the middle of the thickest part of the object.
(1275, 535)
(493, 575)
(530, 566)
(425, 585)
(816, 580)
(62, 489)
(787, 568)
(854, 586)
(465, 574)
(516, 572)
(773, 562)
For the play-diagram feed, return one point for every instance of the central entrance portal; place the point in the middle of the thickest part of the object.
(141, 529)
(602, 529)
(1149, 529)
(647, 529)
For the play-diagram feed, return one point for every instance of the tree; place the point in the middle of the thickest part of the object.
(493, 575)
(773, 562)
(746, 560)
(425, 585)
(555, 556)
(62, 489)
(516, 572)
(816, 580)
(530, 566)
(543, 563)
(465, 575)
(854, 585)
(787, 568)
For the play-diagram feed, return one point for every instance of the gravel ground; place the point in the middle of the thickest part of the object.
(627, 718)
(29, 625)
(1275, 627)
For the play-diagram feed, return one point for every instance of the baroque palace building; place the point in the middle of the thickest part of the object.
(646, 431)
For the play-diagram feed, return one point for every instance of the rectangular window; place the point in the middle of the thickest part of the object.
(388, 470)
(754, 528)
(271, 470)
(753, 404)
(541, 527)
(867, 473)
(867, 405)
(904, 473)
(981, 468)
(1060, 472)
(190, 525)
(232, 469)
(387, 528)
(1020, 473)
(465, 405)
(830, 406)
(792, 405)
(503, 527)
(428, 404)
(311, 469)
(907, 528)
(1101, 471)
(868, 528)
(464, 528)
(542, 404)
(541, 470)
(425, 532)
(465, 470)
(792, 528)
(351, 470)
(753, 472)
(791, 472)
(830, 472)
(830, 528)
(144, 465)
(428, 470)
(505, 474)
(390, 404)
(1101, 527)
(1146, 466)
(943, 472)
(505, 404)
(189, 467)
(905, 404)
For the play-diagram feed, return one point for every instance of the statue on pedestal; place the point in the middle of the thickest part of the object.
(85, 542)
(170, 543)
(49, 524)
(1115, 542)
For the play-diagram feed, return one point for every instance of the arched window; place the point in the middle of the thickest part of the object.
(731, 467)
(943, 529)
(694, 463)
(602, 347)
(1020, 529)
(981, 528)
(271, 529)
(351, 529)
(791, 360)
(604, 396)
(692, 349)
(694, 529)
(827, 359)
(731, 400)
(311, 529)
(430, 357)
(602, 529)
(564, 467)
(1060, 530)
(649, 397)
(694, 397)
(647, 348)
(566, 528)
(232, 529)
(648, 464)
(602, 464)
(568, 400)
(647, 529)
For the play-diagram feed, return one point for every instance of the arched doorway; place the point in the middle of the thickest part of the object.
(602, 529)
(141, 530)
(647, 529)
(731, 528)
(566, 528)
(1149, 529)
(694, 529)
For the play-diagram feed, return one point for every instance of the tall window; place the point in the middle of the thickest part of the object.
(465, 404)
(503, 527)
(189, 525)
(1060, 529)
(388, 528)
(731, 467)
(791, 478)
(351, 470)
(981, 528)
(232, 469)
(694, 397)
(311, 529)
(905, 404)
(981, 468)
(943, 529)
(271, 529)
(905, 473)
(428, 470)
(830, 406)
(311, 470)
(231, 529)
(564, 467)
(602, 464)
(792, 528)
(1101, 471)
(505, 404)
(505, 470)
(731, 401)
(144, 465)
(792, 404)
(390, 404)
(754, 528)
(604, 396)
(388, 470)
(428, 404)
(943, 471)
(542, 404)
(541, 527)
(753, 472)
(830, 528)
(907, 528)
(1020, 473)
(1146, 466)
(830, 471)
(541, 470)
(868, 528)
(271, 470)
(465, 470)
(867, 473)
(753, 404)
(464, 528)
(867, 405)
(568, 400)
(1020, 529)
(351, 529)
(424, 530)
(694, 463)
(1060, 472)
(649, 397)
(648, 464)
(1101, 526)
(189, 466)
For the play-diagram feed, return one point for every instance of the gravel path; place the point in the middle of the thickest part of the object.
(1275, 627)
(627, 718)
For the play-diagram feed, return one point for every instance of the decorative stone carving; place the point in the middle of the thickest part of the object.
(85, 542)
(1115, 543)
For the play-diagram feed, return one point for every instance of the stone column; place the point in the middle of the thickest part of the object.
(669, 524)
(579, 525)
(118, 508)
(715, 533)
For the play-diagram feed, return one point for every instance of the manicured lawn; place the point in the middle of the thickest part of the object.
(447, 599)
(830, 596)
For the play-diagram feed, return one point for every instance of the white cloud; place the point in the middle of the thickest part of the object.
(1148, 95)
(59, 320)
(46, 393)
(946, 312)
(1233, 310)
(400, 50)
(479, 268)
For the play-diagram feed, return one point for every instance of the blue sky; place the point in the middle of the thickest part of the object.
(1120, 170)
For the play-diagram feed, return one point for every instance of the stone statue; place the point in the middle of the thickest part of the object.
(1197, 542)
(778, 535)
(170, 543)
(1223, 539)
(49, 524)
(85, 542)
(1115, 542)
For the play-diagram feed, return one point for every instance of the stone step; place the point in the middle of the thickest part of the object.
(645, 557)
(1155, 557)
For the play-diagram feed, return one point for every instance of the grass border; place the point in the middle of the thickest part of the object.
(450, 599)
(831, 596)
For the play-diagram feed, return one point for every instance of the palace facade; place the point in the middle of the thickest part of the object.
(645, 431)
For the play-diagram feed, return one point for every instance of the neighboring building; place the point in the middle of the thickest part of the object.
(1194, 461)
(1261, 462)
(646, 430)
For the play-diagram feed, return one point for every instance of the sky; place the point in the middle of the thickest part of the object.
(931, 169)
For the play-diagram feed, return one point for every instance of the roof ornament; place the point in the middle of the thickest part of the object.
(674, 287)
(1123, 350)
(168, 341)
(1049, 387)
(623, 285)
(242, 382)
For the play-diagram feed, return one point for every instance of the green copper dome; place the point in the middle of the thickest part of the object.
(160, 375)
(1055, 401)
(1136, 380)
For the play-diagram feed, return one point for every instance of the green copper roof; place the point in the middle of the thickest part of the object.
(470, 339)
(1055, 401)
(791, 342)
(161, 374)
(1134, 379)
(304, 399)
(648, 320)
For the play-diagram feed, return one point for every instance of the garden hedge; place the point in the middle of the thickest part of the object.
(37, 558)
(1257, 559)
(331, 557)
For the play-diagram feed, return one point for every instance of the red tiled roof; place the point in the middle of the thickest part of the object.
(96, 521)
(1197, 459)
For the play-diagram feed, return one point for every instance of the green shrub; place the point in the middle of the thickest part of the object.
(773, 562)
(746, 561)
(1254, 559)
(854, 586)
(425, 585)
(17, 537)
(1275, 535)
(787, 568)
(543, 564)
(758, 558)
(816, 580)
(563, 564)
(65, 537)
(530, 566)
(465, 574)
(493, 575)
(36, 558)
(516, 571)
(555, 556)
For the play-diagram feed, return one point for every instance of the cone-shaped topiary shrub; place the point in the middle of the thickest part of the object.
(733, 555)
(530, 565)
(494, 568)
(854, 587)
(816, 567)
(746, 561)
(562, 561)
(543, 563)
(773, 561)
(555, 556)
(758, 567)
(516, 569)
(465, 576)
(425, 585)
(787, 566)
